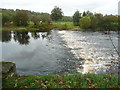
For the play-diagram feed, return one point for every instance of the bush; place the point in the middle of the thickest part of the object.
(21, 18)
(85, 22)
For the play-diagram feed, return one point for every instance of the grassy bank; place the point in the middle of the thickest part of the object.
(62, 81)
(64, 26)
(44, 26)
(18, 29)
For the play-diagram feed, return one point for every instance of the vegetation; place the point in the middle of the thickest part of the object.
(62, 81)
(64, 26)
(99, 22)
(110, 22)
(35, 20)
(67, 19)
(29, 20)
(85, 22)
(56, 13)
(21, 18)
(87, 13)
(76, 18)
(5, 18)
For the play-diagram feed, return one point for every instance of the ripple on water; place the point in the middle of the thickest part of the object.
(95, 48)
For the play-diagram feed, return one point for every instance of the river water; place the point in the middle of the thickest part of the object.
(59, 52)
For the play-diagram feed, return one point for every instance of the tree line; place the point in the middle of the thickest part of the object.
(86, 20)
(22, 17)
(89, 21)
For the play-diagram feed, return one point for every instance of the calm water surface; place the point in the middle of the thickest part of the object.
(60, 52)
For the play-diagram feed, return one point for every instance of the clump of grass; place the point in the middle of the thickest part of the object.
(62, 81)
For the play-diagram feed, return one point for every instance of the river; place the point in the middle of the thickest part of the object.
(58, 52)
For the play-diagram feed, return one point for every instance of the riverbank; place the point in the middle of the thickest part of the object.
(43, 27)
(18, 29)
(74, 80)
(62, 81)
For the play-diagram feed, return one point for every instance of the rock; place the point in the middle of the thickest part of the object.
(8, 69)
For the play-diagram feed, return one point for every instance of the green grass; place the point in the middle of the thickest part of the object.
(44, 26)
(21, 28)
(64, 26)
(18, 29)
(69, 23)
(62, 81)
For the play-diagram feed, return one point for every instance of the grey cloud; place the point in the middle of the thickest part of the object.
(68, 6)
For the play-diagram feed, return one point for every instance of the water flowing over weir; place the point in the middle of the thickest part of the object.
(59, 52)
(95, 48)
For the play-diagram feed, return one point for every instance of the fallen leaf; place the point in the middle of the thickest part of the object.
(89, 81)
(25, 86)
(61, 83)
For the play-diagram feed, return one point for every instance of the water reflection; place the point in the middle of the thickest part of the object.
(23, 37)
(6, 36)
(35, 35)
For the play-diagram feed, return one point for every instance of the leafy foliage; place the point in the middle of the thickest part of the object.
(87, 13)
(35, 20)
(110, 22)
(45, 17)
(99, 22)
(85, 22)
(21, 18)
(84, 14)
(76, 18)
(56, 13)
(7, 16)
(88, 20)
(5, 19)
(67, 19)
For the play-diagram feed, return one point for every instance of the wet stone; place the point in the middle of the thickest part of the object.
(8, 69)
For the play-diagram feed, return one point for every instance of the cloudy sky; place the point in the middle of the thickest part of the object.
(68, 6)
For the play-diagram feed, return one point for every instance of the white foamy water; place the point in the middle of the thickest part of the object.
(95, 48)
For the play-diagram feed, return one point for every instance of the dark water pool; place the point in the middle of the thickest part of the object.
(37, 52)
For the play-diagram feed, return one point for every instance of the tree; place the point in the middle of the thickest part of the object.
(5, 18)
(45, 17)
(87, 13)
(76, 18)
(56, 13)
(35, 20)
(7, 15)
(94, 22)
(67, 19)
(84, 14)
(99, 17)
(21, 18)
(85, 22)
(110, 22)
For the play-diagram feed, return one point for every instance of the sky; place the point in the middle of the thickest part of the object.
(68, 6)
